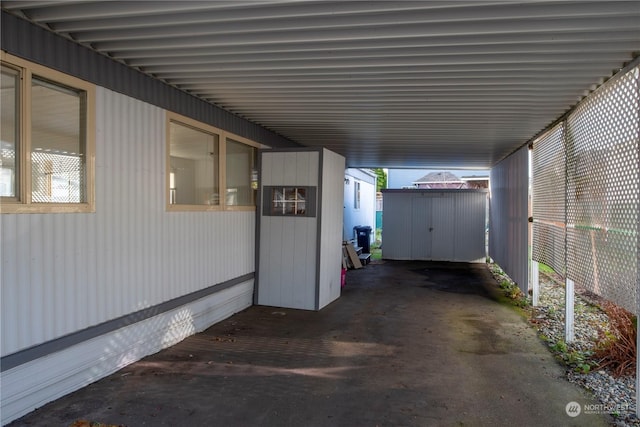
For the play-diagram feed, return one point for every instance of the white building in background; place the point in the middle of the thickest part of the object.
(359, 201)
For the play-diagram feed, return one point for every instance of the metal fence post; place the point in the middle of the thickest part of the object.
(569, 317)
(535, 283)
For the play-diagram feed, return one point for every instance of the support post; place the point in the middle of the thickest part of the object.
(535, 283)
(569, 317)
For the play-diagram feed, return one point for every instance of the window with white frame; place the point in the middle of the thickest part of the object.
(289, 201)
(46, 139)
(209, 169)
(356, 194)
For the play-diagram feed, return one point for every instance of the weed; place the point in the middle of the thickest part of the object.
(582, 368)
(510, 290)
(559, 347)
(578, 361)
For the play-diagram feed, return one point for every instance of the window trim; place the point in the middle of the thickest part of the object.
(245, 141)
(222, 164)
(18, 131)
(187, 122)
(23, 202)
(310, 201)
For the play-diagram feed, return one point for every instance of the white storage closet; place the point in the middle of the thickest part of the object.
(300, 213)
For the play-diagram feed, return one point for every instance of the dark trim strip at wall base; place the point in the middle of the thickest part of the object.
(32, 353)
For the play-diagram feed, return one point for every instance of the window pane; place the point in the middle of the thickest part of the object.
(241, 174)
(9, 119)
(301, 195)
(58, 161)
(285, 201)
(194, 157)
(277, 201)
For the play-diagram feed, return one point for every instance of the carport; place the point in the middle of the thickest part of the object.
(90, 289)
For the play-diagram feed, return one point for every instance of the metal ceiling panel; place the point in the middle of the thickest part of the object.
(385, 83)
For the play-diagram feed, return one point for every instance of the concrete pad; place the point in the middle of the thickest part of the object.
(407, 344)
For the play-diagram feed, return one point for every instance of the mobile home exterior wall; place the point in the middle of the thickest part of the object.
(363, 214)
(93, 272)
(85, 294)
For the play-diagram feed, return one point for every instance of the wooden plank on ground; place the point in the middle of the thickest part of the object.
(353, 256)
(345, 258)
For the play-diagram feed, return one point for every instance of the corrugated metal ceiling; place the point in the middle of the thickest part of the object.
(385, 83)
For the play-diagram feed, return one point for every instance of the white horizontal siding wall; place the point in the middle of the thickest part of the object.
(62, 273)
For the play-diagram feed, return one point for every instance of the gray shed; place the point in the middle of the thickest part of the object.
(436, 225)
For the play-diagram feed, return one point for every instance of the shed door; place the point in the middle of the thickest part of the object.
(421, 228)
(432, 220)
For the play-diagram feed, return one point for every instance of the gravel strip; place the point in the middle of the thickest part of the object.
(617, 396)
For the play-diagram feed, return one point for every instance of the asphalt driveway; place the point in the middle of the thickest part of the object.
(407, 344)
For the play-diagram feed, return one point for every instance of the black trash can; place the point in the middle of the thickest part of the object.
(364, 237)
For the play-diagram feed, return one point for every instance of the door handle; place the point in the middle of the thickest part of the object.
(430, 229)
